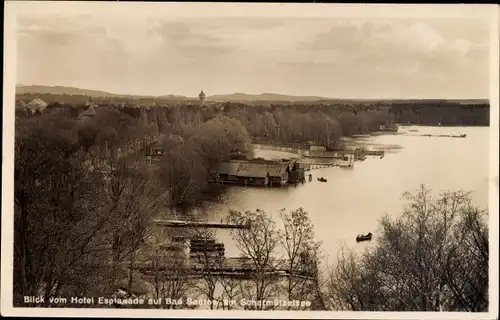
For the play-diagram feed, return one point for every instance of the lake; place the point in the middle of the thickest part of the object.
(353, 200)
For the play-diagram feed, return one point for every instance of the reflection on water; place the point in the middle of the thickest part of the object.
(353, 200)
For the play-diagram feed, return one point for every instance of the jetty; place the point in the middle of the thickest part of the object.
(321, 151)
(315, 166)
(199, 224)
(357, 154)
(227, 267)
(462, 136)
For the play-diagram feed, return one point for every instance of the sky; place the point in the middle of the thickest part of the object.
(356, 57)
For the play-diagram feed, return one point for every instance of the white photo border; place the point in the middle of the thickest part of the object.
(15, 8)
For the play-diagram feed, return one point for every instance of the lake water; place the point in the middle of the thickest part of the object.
(353, 200)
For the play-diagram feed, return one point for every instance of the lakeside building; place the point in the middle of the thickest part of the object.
(89, 110)
(36, 105)
(257, 172)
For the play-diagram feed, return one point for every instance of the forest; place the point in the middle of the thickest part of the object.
(84, 199)
(322, 122)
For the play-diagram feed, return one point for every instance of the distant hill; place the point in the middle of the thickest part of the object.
(173, 97)
(36, 89)
(62, 90)
(409, 101)
(21, 89)
(263, 97)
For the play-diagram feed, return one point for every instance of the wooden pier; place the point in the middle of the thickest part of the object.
(199, 224)
(306, 151)
(373, 153)
(359, 154)
(227, 267)
(462, 136)
(315, 166)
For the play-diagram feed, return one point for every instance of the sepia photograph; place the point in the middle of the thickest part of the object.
(248, 160)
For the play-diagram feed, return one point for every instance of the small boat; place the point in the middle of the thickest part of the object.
(366, 237)
(346, 165)
(322, 179)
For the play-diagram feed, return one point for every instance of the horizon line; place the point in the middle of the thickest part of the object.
(320, 97)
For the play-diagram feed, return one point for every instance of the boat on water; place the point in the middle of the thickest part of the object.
(322, 179)
(366, 237)
(346, 165)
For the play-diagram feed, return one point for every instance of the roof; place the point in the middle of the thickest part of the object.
(229, 168)
(90, 103)
(90, 111)
(253, 169)
(37, 104)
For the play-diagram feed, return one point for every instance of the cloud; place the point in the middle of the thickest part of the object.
(415, 38)
(183, 33)
(395, 46)
(189, 40)
(326, 57)
(54, 32)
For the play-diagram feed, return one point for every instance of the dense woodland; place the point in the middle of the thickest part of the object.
(322, 122)
(85, 197)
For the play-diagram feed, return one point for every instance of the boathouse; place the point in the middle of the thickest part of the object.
(228, 171)
(254, 172)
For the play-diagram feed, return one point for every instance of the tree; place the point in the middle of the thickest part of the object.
(212, 143)
(209, 260)
(230, 291)
(135, 196)
(68, 206)
(432, 258)
(182, 172)
(58, 212)
(302, 251)
(237, 136)
(169, 266)
(102, 141)
(259, 244)
(466, 271)
(351, 287)
(267, 125)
